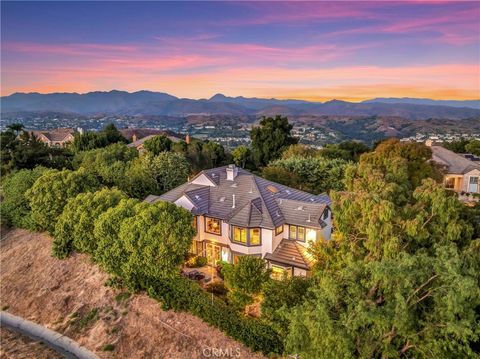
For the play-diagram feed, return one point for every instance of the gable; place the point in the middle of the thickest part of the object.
(203, 180)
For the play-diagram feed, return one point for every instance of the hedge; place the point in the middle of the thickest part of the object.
(182, 294)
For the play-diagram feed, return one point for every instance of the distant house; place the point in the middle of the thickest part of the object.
(59, 137)
(238, 213)
(462, 173)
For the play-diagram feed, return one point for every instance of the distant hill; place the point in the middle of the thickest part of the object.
(158, 103)
(426, 101)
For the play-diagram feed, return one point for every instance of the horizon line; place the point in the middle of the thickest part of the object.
(280, 98)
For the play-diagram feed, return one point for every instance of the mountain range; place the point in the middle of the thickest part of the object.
(157, 103)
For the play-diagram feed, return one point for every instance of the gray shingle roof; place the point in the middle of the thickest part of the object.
(455, 163)
(258, 202)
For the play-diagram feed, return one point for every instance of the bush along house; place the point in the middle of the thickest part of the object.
(237, 213)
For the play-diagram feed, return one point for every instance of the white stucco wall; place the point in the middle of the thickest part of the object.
(466, 180)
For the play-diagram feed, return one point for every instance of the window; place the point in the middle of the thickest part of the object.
(450, 182)
(194, 223)
(213, 226)
(279, 230)
(325, 213)
(293, 232)
(299, 233)
(247, 236)
(254, 236)
(240, 235)
(279, 273)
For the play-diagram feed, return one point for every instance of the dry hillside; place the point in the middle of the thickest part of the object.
(69, 296)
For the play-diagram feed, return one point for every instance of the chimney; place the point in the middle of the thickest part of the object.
(134, 137)
(187, 139)
(233, 201)
(232, 171)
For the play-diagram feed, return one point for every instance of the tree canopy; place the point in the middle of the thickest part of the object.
(74, 228)
(270, 139)
(158, 144)
(398, 278)
(311, 174)
(15, 208)
(51, 191)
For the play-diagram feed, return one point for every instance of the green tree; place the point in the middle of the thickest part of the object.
(347, 150)
(168, 170)
(311, 174)
(213, 153)
(137, 181)
(280, 296)
(398, 278)
(270, 139)
(111, 253)
(74, 228)
(89, 141)
(241, 155)
(113, 135)
(157, 239)
(51, 191)
(15, 209)
(16, 128)
(457, 146)
(158, 144)
(299, 150)
(473, 147)
(108, 164)
(245, 279)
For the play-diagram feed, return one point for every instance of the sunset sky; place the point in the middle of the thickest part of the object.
(303, 50)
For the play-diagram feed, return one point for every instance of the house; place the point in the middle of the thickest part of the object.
(238, 213)
(59, 137)
(461, 171)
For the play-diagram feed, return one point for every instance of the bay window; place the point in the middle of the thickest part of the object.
(246, 236)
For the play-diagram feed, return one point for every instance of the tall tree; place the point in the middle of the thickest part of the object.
(74, 228)
(398, 278)
(241, 155)
(270, 139)
(51, 191)
(157, 144)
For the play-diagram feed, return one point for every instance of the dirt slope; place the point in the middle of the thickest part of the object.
(69, 296)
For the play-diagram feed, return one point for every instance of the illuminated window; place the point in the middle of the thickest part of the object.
(293, 232)
(299, 233)
(450, 182)
(240, 235)
(279, 230)
(279, 273)
(254, 236)
(247, 236)
(213, 225)
(194, 223)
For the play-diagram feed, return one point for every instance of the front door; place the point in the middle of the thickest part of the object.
(213, 253)
(473, 184)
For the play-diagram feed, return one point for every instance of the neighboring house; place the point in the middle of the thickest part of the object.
(59, 137)
(238, 213)
(461, 172)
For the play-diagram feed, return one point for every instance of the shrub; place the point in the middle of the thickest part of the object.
(74, 229)
(108, 348)
(50, 193)
(197, 262)
(247, 276)
(15, 210)
(182, 294)
(217, 288)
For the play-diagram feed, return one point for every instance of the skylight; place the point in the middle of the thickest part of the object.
(272, 189)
